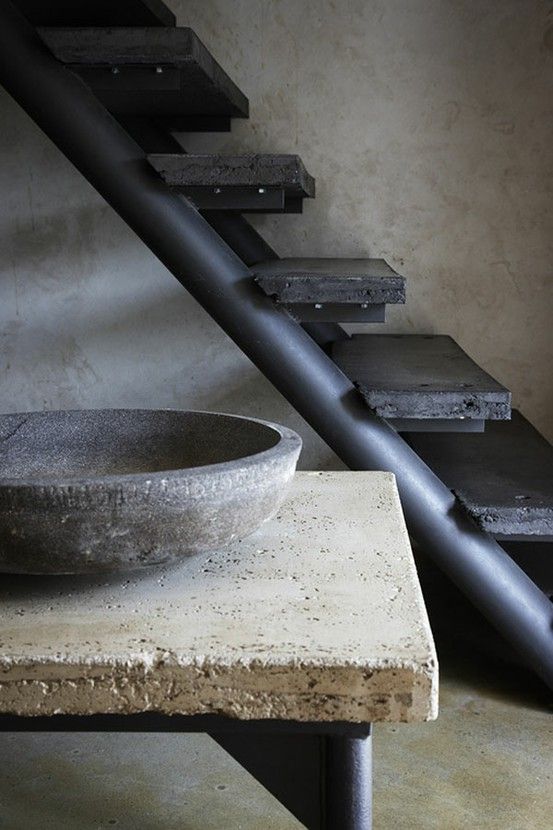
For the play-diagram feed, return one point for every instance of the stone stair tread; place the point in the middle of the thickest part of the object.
(155, 72)
(330, 280)
(504, 476)
(182, 170)
(97, 13)
(420, 377)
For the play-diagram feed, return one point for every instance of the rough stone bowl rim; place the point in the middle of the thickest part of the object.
(289, 441)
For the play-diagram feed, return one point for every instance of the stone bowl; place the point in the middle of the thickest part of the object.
(115, 489)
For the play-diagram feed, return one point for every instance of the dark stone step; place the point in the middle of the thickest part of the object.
(337, 290)
(420, 377)
(504, 477)
(162, 73)
(246, 183)
(97, 12)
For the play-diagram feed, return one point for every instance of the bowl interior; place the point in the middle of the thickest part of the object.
(98, 443)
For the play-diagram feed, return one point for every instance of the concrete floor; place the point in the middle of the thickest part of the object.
(486, 763)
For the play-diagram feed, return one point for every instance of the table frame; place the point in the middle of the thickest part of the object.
(320, 771)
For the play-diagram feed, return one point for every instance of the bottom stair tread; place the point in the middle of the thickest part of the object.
(504, 476)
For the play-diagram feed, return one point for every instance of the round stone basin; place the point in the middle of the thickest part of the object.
(115, 489)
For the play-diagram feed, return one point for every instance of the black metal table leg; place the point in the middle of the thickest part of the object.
(323, 779)
(348, 783)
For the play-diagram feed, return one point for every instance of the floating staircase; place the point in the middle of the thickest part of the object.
(140, 66)
(166, 74)
(422, 380)
(331, 290)
(247, 183)
(503, 478)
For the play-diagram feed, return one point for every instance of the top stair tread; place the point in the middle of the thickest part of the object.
(182, 170)
(123, 45)
(503, 476)
(161, 72)
(97, 13)
(330, 280)
(420, 376)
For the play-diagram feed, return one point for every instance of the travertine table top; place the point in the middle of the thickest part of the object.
(318, 616)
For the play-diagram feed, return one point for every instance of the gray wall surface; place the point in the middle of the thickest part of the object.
(428, 125)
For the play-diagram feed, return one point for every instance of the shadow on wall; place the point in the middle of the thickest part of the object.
(90, 318)
(427, 125)
(428, 128)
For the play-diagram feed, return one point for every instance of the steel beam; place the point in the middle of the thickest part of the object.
(115, 165)
(330, 312)
(238, 199)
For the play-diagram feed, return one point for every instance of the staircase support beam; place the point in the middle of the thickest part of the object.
(67, 111)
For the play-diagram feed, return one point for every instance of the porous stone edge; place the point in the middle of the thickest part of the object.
(414, 403)
(287, 288)
(396, 691)
(508, 520)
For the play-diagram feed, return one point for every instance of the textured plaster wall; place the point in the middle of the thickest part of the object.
(428, 125)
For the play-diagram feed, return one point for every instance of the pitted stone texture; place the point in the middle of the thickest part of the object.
(420, 376)
(248, 170)
(503, 477)
(99, 490)
(318, 616)
(328, 280)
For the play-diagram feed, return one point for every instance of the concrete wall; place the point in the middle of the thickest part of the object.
(427, 124)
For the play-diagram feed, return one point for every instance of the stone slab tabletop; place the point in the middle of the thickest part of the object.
(318, 616)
